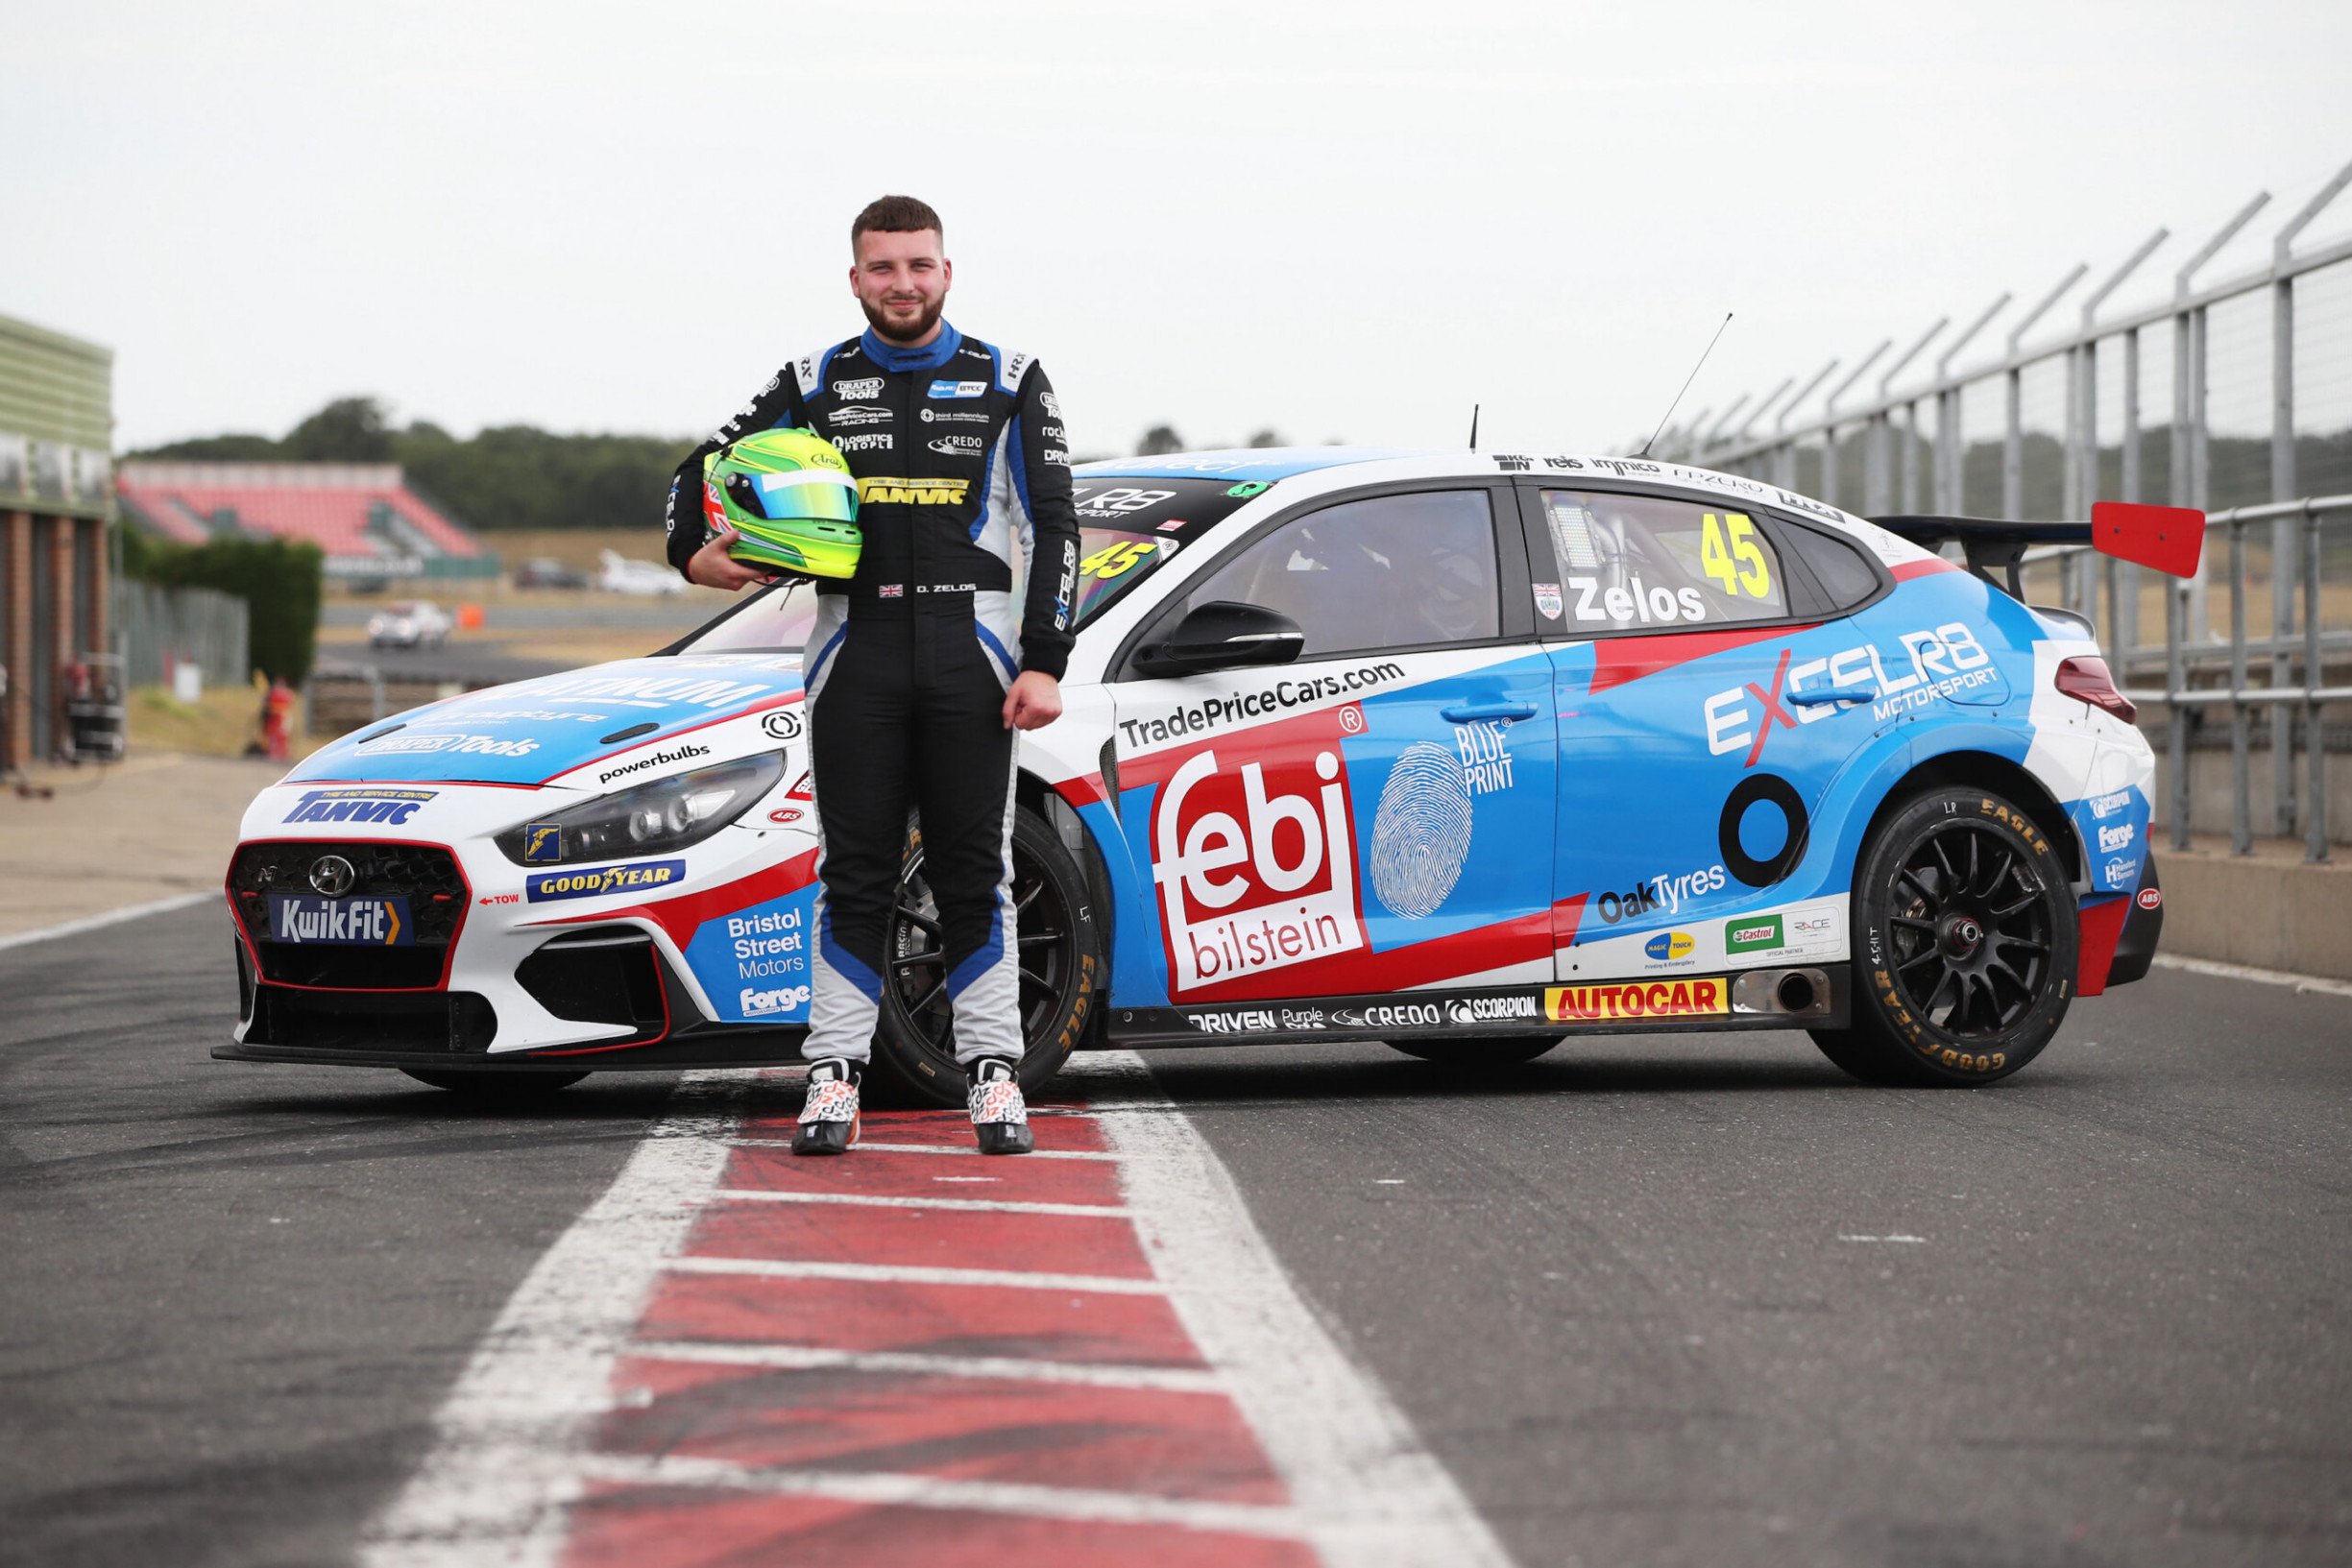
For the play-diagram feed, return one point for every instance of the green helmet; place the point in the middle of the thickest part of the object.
(790, 500)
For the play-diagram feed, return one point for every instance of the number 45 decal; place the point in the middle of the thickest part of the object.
(1742, 565)
(1114, 559)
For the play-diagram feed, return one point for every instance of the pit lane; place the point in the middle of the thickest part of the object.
(1692, 1299)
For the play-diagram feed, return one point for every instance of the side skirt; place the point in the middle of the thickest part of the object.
(1748, 999)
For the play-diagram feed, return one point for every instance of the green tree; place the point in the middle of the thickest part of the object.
(277, 579)
(346, 430)
(1160, 439)
(1267, 437)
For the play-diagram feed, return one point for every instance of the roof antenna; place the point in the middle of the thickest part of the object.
(1687, 380)
(1474, 428)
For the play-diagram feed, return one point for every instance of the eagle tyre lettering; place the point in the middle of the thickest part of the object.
(1755, 789)
(1965, 940)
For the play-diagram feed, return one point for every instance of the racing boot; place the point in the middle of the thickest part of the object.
(829, 1119)
(1000, 1117)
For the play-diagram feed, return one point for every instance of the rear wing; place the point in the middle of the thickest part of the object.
(2166, 538)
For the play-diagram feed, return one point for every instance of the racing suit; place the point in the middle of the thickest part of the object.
(957, 450)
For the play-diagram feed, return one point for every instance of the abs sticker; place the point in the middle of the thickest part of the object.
(598, 881)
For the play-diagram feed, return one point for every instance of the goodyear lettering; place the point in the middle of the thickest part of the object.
(596, 881)
(1658, 998)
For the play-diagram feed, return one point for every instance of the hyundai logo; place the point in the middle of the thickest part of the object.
(332, 874)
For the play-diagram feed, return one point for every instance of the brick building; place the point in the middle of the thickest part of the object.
(56, 430)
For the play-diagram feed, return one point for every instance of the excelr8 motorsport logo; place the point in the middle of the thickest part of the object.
(1253, 860)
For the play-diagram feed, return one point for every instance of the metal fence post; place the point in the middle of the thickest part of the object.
(1910, 456)
(2240, 810)
(2315, 741)
(2128, 574)
(2176, 686)
(2283, 532)
(1828, 433)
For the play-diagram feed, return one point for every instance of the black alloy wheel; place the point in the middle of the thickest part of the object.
(1061, 967)
(1966, 934)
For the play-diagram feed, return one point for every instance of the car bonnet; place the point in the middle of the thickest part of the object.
(585, 729)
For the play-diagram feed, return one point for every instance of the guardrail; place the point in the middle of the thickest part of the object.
(2293, 662)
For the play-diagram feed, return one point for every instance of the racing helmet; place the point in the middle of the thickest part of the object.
(790, 498)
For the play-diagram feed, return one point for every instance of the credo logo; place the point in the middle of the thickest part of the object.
(1256, 868)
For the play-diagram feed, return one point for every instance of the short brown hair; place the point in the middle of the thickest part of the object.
(896, 215)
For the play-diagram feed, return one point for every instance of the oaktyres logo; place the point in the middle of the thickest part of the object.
(677, 754)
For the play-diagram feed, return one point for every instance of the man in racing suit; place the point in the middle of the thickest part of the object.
(921, 666)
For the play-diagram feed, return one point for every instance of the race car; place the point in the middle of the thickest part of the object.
(1466, 753)
(414, 624)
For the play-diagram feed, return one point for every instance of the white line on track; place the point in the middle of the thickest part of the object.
(512, 1441)
(875, 1273)
(2264, 976)
(966, 1205)
(113, 917)
(904, 1489)
(1176, 1380)
(507, 1460)
(1372, 1496)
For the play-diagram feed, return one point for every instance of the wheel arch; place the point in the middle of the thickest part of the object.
(1994, 774)
(1032, 793)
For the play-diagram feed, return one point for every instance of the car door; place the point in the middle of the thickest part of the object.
(1673, 622)
(1376, 815)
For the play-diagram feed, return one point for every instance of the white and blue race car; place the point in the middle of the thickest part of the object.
(1466, 753)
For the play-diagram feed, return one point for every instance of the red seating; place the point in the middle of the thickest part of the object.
(326, 503)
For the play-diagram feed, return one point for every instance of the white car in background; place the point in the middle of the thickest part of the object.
(417, 623)
(639, 579)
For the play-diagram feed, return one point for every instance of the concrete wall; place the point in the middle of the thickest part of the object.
(2272, 911)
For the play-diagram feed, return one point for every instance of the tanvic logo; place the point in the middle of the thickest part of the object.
(1752, 935)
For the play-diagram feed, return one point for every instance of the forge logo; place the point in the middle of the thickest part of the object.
(1251, 852)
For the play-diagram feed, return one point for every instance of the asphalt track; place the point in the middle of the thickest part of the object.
(1682, 1300)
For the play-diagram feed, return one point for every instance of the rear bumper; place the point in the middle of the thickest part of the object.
(2135, 949)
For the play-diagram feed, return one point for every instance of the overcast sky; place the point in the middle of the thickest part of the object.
(1342, 221)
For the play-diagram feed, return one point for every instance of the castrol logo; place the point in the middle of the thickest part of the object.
(1254, 864)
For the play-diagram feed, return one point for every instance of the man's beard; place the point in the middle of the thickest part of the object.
(882, 328)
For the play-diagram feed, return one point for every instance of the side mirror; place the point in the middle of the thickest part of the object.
(1224, 635)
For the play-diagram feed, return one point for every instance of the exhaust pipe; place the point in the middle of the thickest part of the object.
(1787, 993)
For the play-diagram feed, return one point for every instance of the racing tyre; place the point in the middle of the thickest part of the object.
(1474, 1054)
(495, 1085)
(1965, 935)
(1062, 965)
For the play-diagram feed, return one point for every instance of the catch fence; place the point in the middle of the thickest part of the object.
(2234, 398)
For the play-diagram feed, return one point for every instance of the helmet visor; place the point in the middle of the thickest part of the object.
(800, 494)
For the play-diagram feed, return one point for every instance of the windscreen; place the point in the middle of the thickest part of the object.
(1129, 528)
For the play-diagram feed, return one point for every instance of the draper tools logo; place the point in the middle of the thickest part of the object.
(1256, 868)
(390, 807)
(596, 881)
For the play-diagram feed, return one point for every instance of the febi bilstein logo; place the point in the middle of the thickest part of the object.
(1668, 945)
(1753, 934)
(595, 881)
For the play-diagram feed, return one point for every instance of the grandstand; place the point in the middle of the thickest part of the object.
(363, 516)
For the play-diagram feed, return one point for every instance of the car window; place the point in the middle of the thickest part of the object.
(1841, 569)
(1129, 528)
(1392, 572)
(774, 620)
(1654, 563)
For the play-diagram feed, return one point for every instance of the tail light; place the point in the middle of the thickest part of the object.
(2086, 679)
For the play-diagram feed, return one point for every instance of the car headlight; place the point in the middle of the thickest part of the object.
(658, 818)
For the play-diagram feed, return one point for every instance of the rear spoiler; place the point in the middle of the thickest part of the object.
(2166, 538)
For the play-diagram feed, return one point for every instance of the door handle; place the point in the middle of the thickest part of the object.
(1823, 696)
(1470, 712)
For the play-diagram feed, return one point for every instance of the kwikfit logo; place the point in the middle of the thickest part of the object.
(1253, 876)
